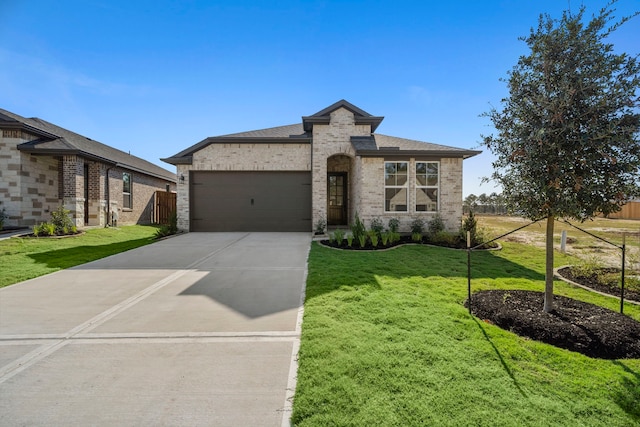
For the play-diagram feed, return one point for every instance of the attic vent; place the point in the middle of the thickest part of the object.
(389, 148)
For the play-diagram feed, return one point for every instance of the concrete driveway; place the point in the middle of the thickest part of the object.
(199, 329)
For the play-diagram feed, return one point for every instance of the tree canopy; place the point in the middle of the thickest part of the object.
(567, 136)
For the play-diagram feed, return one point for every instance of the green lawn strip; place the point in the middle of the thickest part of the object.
(386, 341)
(26, 258)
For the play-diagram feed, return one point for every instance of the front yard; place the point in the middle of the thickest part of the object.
(29, 257)
(386, 341)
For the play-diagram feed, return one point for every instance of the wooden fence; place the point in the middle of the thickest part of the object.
(165, 205)
(629, 211)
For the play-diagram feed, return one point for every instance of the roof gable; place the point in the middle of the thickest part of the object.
(324, 116)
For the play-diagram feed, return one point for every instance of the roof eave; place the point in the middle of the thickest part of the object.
(17, 125)
(309, 121)
(185, 160)
(465, 154)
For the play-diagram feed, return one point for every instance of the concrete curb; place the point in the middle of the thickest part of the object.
(557, 275)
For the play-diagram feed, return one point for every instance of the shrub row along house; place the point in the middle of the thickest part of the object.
(329, 167)
(43, 166)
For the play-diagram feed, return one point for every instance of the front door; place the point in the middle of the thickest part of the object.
(337, 198)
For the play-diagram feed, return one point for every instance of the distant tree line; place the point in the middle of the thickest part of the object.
(493, 204)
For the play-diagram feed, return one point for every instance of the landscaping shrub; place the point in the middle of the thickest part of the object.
(362, 239)
(385, 238)
(436, 225)
(469, 224)
(338, 236)
(394, 225)
(416, 237)
(358, 229)
(377, 226)
(444, 238)
(168, 229)
(320, 226)
(62, 222)
(373, 237)
(350, 239)
(417, 226)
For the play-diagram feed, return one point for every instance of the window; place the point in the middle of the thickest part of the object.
(396, 186)
(127, 201)
(427, 180)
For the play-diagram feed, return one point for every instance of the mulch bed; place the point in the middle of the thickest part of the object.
(573, 325)
(458, 244)
(592, 281)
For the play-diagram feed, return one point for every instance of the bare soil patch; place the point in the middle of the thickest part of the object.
(573, 325)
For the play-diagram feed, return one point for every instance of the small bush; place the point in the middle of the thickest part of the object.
(320, 226)
(469, 224)
(163, 231)
(444, 238)
(350, 239)
(338, 236)
(394, 225)
(385, 238)
(173, 223)
(362, 239)
(416, 237)
(436, 225)
(588, 267)
(373, 237)
(377, 226)
(358, 229)
(44, 229)
(61, 221)
(417, 226)
(394, 237)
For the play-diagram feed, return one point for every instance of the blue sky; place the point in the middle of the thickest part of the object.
(155, 77)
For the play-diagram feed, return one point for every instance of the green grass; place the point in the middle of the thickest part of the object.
(26, 258)
(386, 341)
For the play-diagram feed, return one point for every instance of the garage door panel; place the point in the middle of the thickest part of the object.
(250, 201)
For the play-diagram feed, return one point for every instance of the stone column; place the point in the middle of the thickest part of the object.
(73, 186)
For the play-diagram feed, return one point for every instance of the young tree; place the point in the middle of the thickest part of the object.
(567, 137)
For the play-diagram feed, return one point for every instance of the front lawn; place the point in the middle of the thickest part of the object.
(29, 257)
(386, 341)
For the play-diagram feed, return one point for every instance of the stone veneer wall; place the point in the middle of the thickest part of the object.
(28, 184)
(370, 203)
(330, 140)
(239, 157)
(33, 186)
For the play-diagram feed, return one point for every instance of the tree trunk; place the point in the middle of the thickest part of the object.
(548, 288)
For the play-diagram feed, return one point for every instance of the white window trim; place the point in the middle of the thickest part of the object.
(405, 186)
(418, 186)
(130, 193)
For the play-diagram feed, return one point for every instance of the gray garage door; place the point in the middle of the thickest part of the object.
(250, 201)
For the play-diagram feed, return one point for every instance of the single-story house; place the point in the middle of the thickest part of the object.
(43, 166)
(329, 167)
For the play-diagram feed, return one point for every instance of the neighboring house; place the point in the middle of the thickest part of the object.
(331, 166)
(43, 166)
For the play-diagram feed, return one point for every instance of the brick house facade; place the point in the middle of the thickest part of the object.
(334, 155)
(43, 166)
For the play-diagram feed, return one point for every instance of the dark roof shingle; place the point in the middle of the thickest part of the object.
(57, 140)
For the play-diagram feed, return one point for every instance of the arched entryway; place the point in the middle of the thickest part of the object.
(338, 189)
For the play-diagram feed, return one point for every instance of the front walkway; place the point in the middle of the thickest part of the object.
(200, 329)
